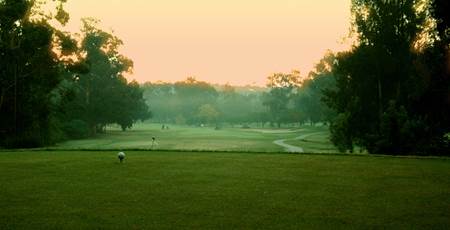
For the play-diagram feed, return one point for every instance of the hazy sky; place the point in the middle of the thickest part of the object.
(235, 41)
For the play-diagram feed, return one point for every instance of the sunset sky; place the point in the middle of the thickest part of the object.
(235, 41)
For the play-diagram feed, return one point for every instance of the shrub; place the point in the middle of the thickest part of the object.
(76, 129)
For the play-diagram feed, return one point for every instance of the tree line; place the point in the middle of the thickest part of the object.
(392, 93)
(288, 99)
(195, 102)
(388, 94)
(55, 85)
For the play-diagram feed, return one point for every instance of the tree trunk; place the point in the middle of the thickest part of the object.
(380, 109)
(2, 97)
(93, 129)
(15, 100)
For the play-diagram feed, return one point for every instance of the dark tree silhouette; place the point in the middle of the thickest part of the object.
(30, 72)
(389, 99)
(103, 95)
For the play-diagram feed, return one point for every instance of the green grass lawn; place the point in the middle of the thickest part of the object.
(182, 190)
(193, 138)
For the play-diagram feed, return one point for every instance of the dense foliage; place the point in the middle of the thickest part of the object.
(282, 87)
(289, 99)
(392, 89)
(293, 98)
(43, 73)
(196, 102)
(102, 95)
(29, 72)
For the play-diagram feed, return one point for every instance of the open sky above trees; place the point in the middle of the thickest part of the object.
(239, 42)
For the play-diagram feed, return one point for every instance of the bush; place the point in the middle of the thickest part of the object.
(76, 129)
(341, 133)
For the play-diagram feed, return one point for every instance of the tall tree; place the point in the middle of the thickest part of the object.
(103, 94)
(379, 83)
(309, 100)
(282, 87)
(433, 63)
(29, 71)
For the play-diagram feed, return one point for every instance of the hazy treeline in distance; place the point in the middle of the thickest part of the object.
(194, 102)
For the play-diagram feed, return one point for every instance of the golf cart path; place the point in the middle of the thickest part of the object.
(293, 148)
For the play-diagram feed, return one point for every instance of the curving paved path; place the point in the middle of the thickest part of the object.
(293, 148)
(288, 147)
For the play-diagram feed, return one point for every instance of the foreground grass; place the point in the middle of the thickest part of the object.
(180, 190)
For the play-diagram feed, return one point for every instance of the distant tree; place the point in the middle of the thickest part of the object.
(161, 97)
(282, 87)
(179, 102)
(191, 94)
(131, 105)
(207, 114)
(309, 100)
(237, 107)
(180, 99)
